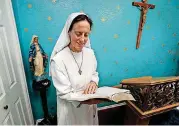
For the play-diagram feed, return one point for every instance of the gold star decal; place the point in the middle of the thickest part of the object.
(125, 49)
(147, 27)
(82, 11)
(163, 45)
(128, 22)
(29, 5)
(159, 13)
(118, 7)
(161, 62)
(105, 49)
(174, 34)
(103, 19)
(54, 1)
(50, 39)
(169, 26)
(116, 36)
(170, 51)
(26, 29)
(49, 18)
(116, 62)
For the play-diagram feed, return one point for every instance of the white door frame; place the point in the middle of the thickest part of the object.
(20, 63)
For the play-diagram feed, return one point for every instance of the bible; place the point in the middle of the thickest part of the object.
(109, 93)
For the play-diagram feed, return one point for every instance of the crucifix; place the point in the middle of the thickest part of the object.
(143, 6)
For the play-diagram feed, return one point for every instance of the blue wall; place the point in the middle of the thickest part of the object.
(113, 38)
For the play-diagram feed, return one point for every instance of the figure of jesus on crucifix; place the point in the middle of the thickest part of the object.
(143, 6)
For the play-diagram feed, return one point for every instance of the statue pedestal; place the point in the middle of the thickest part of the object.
(42, 86)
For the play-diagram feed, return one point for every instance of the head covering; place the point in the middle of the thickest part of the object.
(34, 36)
(64, 39)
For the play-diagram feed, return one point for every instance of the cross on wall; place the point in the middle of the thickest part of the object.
(143, 6)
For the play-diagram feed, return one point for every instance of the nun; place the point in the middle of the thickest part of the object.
(73, 68)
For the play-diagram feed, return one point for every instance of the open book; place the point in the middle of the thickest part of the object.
(110, 93)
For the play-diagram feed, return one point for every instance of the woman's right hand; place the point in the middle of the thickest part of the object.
(30, 59)
(91, 88)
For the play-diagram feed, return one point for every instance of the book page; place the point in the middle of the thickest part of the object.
(79, 96)
(122, 97)
(102, 92)
(109, 91)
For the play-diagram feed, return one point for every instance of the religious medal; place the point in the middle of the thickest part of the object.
(79, 67)
(79, 71)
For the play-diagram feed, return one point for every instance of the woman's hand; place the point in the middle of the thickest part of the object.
(91, 88)
(30, 59)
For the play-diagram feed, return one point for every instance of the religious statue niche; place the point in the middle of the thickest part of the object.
(38, 62)
(143, 7)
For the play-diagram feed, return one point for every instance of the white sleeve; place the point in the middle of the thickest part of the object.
(95, 76)
(62, 83)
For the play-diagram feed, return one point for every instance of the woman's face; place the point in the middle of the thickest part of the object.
(79, 35)
(36, 40)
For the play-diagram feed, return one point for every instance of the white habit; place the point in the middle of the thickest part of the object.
(67, 80)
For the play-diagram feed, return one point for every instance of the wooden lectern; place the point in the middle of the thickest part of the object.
(153, 96)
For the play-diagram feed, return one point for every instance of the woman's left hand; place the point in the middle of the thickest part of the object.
(91, 88)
